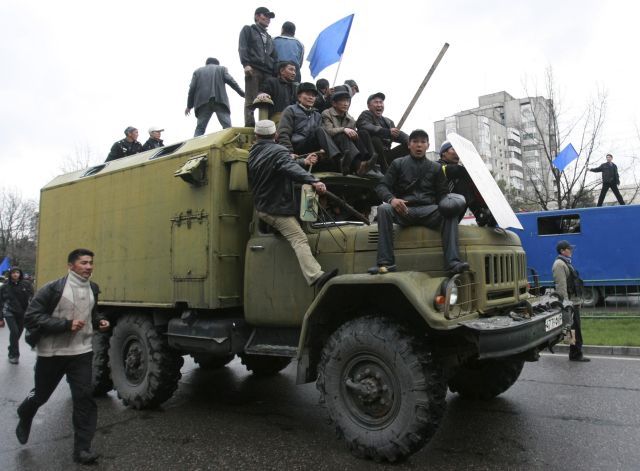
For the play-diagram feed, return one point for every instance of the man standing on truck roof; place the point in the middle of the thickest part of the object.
(272, 174)
(288, 48)
(258, 57)
(14, 299)
(125, 147)
(154, 140)
(414, 191)
(61, 321)
(569, 285)
(459, 181)
(208, 95)
(610, 179)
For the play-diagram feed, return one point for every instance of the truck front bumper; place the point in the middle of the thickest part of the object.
(545, 324)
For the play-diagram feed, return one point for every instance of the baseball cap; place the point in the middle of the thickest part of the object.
(155, 129)
(446, 145)
(376, 95)
(563, 245)
(264, 11)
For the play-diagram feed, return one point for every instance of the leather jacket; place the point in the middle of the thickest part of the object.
(418, 181)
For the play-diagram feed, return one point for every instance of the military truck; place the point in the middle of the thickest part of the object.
(186, 268)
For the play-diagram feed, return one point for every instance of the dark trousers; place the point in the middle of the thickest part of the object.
(361, 149)
(575, 351)
(616, 192)
(15, 322)
(386, 155)
(251, 89)
(320, 140)
(427, 216)
(204, 114)
(48, 373)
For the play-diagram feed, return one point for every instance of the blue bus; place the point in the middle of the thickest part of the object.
(607, 252)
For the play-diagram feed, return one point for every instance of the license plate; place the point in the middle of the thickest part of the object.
(553, 322)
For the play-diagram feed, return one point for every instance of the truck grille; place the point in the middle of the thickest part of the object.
(500, 269)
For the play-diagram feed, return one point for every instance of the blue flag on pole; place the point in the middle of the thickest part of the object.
(565, 157)
(329, 45)
(5, 265)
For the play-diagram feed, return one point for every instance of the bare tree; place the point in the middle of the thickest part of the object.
(18, 224)
(568, 188)
(83, 157)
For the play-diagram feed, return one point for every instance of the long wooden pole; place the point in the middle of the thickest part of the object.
(337, 70)
(423, 84)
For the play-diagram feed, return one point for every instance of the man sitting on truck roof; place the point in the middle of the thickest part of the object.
(281, 89)
(272, 173)
(415, 193)
(125, 147)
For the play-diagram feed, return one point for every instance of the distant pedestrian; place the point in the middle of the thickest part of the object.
(610, 179)
(288, 48)
(258, 57)
(154, 140)
(569, 285)
(14, 299)
(208, 95)
(125, 147)
(61, 321)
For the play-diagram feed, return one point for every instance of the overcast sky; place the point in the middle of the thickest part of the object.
(76, 73)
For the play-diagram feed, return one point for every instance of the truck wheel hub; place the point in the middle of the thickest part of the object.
(134, 361)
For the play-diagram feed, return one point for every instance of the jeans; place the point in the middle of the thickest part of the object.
(427, 216)
(290, 229)
(48, 373)
(15, 322)
(204, 114)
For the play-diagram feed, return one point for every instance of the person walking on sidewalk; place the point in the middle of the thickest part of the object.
(14, 299)
(569, 285)
(60, 322)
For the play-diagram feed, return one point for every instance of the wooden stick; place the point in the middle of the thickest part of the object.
(422, 85)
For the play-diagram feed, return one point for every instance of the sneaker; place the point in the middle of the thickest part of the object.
(85, 456)
(382, 269)
(580, 358)
(14, 360)
(322, 280)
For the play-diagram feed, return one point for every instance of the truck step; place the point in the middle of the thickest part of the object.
(272, 350)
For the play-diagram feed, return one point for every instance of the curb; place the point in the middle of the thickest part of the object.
(602, 350)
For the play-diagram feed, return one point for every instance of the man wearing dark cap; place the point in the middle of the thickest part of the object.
(208, 95)
(382, 130)
(459, 181)
(288, 48)
(125, 147)
(258, 57)
(414, 193)
(272, 174)
(569, 285)
(300, 130)
(281, 90)
(14, 299)
(341, 126)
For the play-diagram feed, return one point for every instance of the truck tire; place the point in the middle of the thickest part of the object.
(486, 379)
(101, 382)
(264, 365)
(211, 362)
(591, 296)
(145, 371)
(382, 389)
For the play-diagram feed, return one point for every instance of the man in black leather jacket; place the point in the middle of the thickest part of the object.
(14, 299)
(125, 147)
(411, 191)
(61, 320)
(272, 173)
(610, 179)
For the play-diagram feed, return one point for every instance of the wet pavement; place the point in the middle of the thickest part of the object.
(559, 415)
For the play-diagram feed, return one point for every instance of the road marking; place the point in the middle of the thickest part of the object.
(599, 357)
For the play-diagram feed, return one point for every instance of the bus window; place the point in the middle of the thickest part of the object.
(565, 224)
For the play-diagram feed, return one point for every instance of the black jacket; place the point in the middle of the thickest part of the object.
(14, 297)
(152, 144)
(272, 173)
(38, 320)
(418, 181)
(380, 127)
(123, 148)
(609, 173)
(255, 51)
(296, 124)
(282, 93)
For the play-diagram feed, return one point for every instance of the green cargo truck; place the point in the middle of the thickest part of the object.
(186, 268)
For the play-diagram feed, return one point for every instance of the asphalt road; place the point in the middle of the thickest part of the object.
(559, 415)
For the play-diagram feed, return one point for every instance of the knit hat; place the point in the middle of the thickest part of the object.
(446, 145)
(265, 127)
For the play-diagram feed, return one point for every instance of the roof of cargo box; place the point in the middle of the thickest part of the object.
(207, 141)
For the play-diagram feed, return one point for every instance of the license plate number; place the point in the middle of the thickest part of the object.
(553, 322)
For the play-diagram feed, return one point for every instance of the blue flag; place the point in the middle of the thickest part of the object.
(5, 265)
(565, 157)
(329, 45)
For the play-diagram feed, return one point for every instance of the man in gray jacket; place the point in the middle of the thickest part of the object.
(208, 95)
(60, 321)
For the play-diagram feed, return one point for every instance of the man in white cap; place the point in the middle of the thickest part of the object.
(154, 140)
(272, 174)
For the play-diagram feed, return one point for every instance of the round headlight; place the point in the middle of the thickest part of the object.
(453, 298)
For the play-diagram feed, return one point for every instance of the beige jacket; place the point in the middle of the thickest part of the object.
(334, 124)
